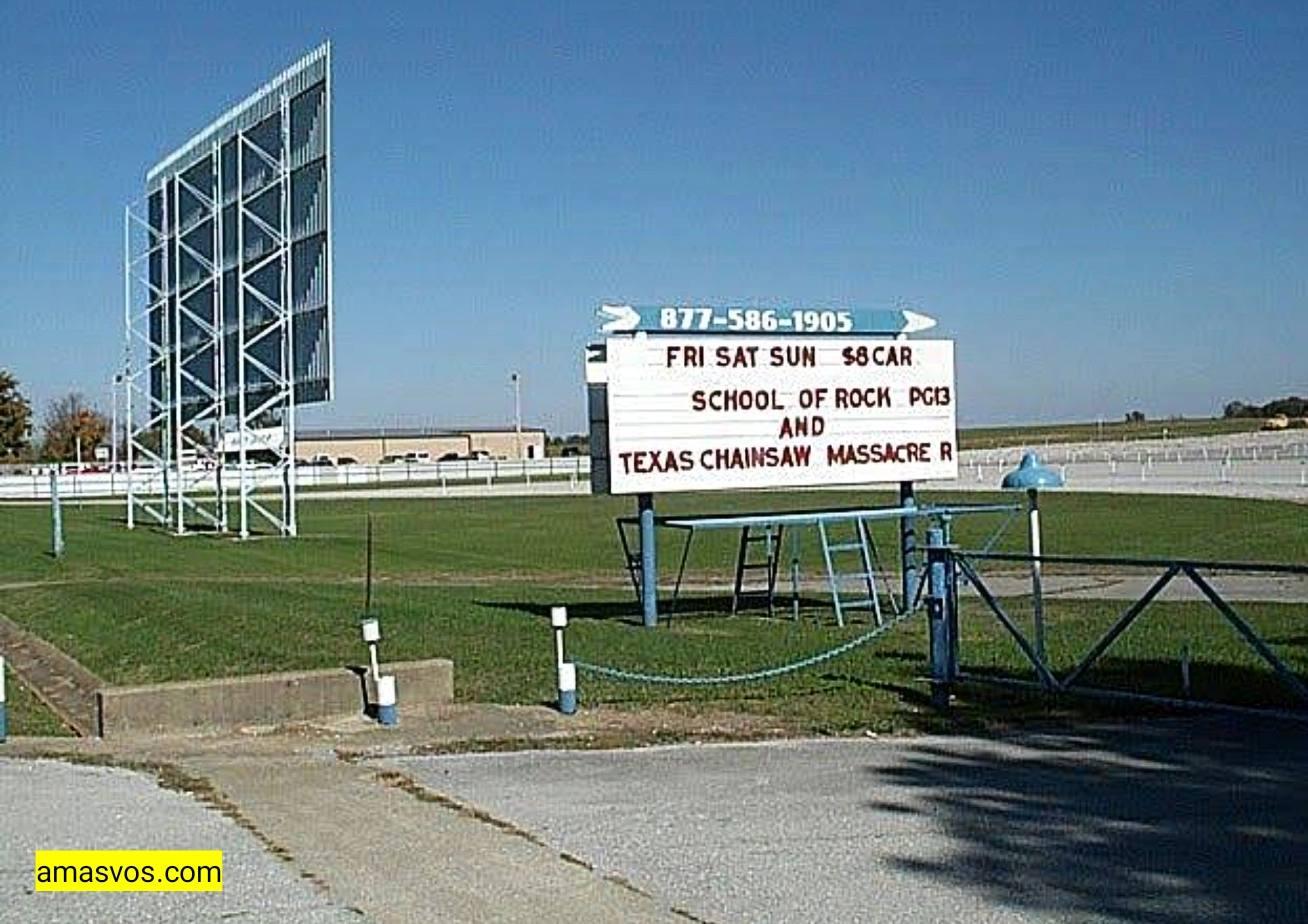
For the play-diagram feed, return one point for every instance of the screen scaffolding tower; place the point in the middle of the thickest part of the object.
(228, 311)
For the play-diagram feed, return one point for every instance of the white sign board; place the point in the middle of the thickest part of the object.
(715, 413)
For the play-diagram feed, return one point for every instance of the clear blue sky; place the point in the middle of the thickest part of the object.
(1104, 204)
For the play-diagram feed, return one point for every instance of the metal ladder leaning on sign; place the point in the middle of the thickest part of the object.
(861, 543)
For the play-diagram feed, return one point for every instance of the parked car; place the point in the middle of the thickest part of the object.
(477, 455)
(346, 460)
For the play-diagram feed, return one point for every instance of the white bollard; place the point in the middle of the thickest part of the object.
(568, 689)
(371, 636)
(567, 672)
(386, 700)
(4, 714)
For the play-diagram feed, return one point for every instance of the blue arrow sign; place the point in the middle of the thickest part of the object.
(708, 319)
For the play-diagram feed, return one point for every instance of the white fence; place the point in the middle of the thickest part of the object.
(1262, 459)
(73, 484)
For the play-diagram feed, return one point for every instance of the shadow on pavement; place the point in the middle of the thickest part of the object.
(1173, 820)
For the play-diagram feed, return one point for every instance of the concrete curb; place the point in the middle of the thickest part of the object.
(265, 699)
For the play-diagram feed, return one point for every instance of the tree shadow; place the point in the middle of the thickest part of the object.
(1176, 819)
(1211, 682)
(628, 611)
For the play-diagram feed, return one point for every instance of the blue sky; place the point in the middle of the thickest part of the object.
(1104, 205)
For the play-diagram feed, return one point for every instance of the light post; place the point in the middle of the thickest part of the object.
(517, 412)
(113, 426)
(1030, 476)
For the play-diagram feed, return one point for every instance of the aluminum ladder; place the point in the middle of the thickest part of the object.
(770, 537)
(831, 551)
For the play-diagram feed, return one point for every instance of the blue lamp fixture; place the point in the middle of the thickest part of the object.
(1030, 476)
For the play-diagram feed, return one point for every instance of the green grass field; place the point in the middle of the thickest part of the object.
(1093, 431)
(473, 579)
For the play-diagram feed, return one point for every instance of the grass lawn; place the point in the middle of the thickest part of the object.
(27, 714)
(472, 579)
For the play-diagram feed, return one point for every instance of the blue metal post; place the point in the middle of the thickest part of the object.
(951, 597)
(649, 572)
(56, 515)
(908, 546)
(951, 612)
(938, 618)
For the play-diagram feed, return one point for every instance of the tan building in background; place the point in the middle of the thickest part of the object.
(371, 447)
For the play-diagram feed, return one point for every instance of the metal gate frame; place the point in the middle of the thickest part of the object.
(946, 564)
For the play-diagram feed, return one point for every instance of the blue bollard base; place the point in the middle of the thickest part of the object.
(568, 702)
(387, 715)
(4, 722)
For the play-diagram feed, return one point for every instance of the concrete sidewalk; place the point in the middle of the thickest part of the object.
(49, 805)
(308, 805)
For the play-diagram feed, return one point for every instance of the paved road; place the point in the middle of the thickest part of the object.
(51, 805)
(1197, 819)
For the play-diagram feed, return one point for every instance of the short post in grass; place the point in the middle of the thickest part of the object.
(56, 516)
(1030, 476)
(4, 710)
(567, 672)
(649, 571)
(937, 618)
(386, 713)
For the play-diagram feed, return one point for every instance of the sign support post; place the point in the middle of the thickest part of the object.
(649, 574)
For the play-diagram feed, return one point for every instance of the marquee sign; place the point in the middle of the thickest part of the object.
(690, 413)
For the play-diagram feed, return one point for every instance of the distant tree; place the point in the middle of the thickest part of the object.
(15, 418)
(67, 421)
(1135, 417)
(1292, 406)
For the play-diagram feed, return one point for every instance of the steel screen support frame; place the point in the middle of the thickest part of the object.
(280, 404)
(169, 492)
(226, 217)
(183, 491)
(150, 436)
